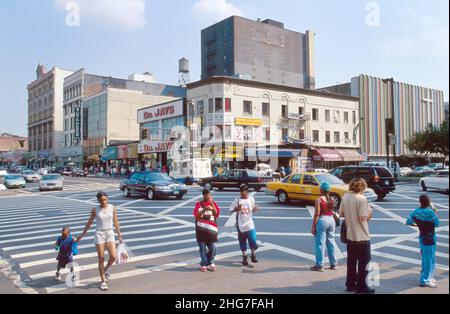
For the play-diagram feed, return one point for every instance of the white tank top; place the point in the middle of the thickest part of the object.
(104, 217)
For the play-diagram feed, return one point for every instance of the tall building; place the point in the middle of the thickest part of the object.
(414, 108)
(446, 110)
(263, 51)
(45, 114)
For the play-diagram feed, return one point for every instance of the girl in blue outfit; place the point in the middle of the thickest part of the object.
(65, 245)
(426, 219)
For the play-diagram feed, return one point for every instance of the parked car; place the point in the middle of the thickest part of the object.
(3, 172)
(394, 167)
(66, 171)
(20, 169)
(14, 181)
(31, 176)
(421, 172)
(436, 181)
(153, 185)
(378, 178)
(43, 171)
(236, 179)
(306, 187)
(265, 170)
(2, 187)
(77, 172)
(51, 182)
(436, 166)
(56, 170)
(404, 171)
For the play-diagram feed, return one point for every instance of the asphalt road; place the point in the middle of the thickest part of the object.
(165, 259)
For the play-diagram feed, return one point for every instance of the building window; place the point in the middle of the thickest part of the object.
(284, 111)
(337, 116)
(337, 137)
(301, 134)
(248, 134)
(200, 108)
(354, 139)
(227, 132)
(347, 138)
(219, 105)
(265, 109)
(227, 104)
(248, 108)
(191, 111)
(346, 117)
(327, 137)
(284, 134)
(210, 105)
(316, 136)
(266, 134)
(301, 111)
(354, 117)
(315, 114)
(327, 116)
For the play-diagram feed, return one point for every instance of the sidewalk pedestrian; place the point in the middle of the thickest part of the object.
(64, 245)
(244, 207)
(357, 213)
(206, 214)
(323, 229)
(105, 216)
(425, 217)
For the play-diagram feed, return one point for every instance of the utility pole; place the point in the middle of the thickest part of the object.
(390, 128)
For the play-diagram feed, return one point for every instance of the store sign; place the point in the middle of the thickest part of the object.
(239, 134)
(219, 119)
(249, 122)
(149, 147)
(133, 151)
(78, 122)
(166, 111)
(110, 153)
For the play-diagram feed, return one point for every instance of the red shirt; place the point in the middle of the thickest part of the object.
(199, 206)
(324, 211)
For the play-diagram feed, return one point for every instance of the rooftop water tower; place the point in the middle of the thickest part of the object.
(184, 73)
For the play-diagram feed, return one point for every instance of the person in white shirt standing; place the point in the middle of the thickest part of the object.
(244, 207)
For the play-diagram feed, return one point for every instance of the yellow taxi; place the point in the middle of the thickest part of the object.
(306, 187)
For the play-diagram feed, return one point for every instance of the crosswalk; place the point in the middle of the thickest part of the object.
(30, 224)
(78, 187)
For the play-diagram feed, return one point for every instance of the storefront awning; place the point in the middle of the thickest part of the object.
(326, 154)
(273, 153)
(350, 155)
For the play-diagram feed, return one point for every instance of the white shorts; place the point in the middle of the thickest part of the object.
(104, 236)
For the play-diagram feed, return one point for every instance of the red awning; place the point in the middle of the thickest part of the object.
(326, 154)
(350, 155)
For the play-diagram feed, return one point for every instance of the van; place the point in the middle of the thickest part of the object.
(191, 170)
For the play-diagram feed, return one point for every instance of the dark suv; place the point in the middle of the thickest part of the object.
(380, 179)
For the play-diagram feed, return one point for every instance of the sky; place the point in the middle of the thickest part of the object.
(404, 39)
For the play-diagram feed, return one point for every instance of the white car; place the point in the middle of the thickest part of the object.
(3, 173)
(51, 182)
(404, 171)
(2, 187)
(31, 176)
(436, 181)
(265, 170)
(43, 171)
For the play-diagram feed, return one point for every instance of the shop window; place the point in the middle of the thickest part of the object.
(219, 105)
(248, 108)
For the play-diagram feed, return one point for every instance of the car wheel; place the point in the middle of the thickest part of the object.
(424, 187)
(180, 197)
(283, 197)
(126, 192)
(336, 201)
(150, 194)
(381, 196)
(208, 186)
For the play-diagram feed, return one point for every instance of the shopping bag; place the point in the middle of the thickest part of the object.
(123, 254)
(75, 248)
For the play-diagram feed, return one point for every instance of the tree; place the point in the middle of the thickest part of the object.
(433, 140)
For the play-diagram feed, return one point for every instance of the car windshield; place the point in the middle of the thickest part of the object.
(29, 172)
(157, 177)
(328, 178)
(55, 177)
(13, 177)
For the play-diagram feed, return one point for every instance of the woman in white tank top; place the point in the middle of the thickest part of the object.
(106, 220)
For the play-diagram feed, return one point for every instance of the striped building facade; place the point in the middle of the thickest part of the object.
(414, 108)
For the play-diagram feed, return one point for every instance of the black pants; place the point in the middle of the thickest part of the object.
(358, 257)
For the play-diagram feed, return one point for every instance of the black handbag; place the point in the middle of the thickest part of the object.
(344, 232)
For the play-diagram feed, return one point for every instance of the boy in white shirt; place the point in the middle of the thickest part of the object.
(244, 208)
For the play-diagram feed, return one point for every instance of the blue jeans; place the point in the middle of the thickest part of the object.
(428, 263)
(249, 236)
(207, 258)
(325, 230)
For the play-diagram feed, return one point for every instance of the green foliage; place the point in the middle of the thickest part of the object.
(433, 140)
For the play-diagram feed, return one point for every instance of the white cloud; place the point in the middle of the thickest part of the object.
(126, 14)
(418, 35)
(215, 10)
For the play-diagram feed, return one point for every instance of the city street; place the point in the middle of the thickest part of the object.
(165, 258)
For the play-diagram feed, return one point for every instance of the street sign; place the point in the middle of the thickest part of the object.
(392, 139)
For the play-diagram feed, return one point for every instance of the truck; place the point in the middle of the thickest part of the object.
(191, 171)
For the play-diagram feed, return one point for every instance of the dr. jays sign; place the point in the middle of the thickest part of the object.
(164, 111)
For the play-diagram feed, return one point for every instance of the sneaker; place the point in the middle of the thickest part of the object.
(103, 286)
(245, 260)
(108, 276)
(58, 276)
(204, 269)
(212, 267)
(333, 267)
(365, 291)
(317, 268)
(430, 284)
(254, 260)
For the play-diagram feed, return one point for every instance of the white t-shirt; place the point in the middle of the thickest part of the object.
(244, 221)
(104, 218)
